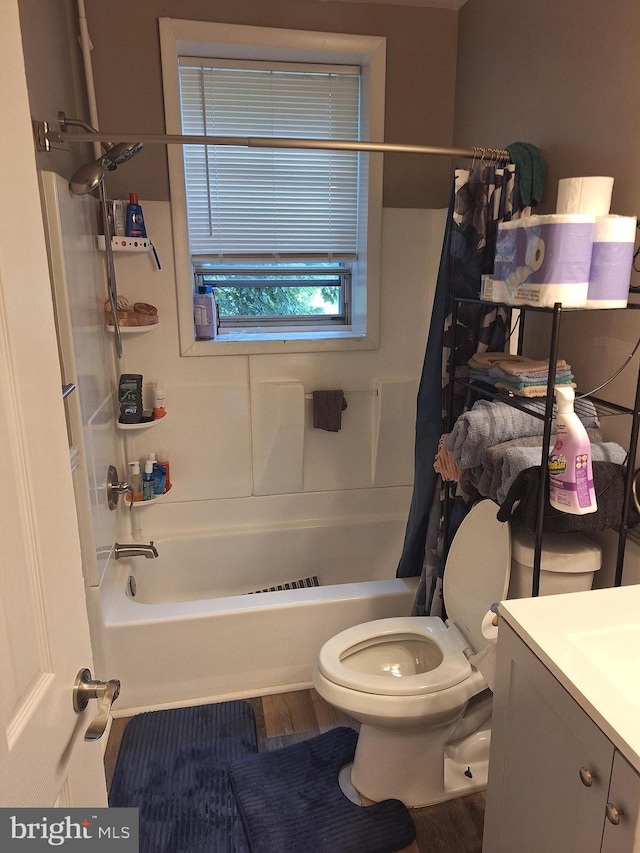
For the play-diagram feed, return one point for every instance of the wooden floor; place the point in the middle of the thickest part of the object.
(286, 718)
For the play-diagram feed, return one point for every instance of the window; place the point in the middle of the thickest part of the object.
(244, 204)
(279, 294)
(287, 237)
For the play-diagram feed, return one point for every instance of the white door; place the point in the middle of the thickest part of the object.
(44, 634)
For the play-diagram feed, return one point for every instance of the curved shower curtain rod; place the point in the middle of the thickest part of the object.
(480, 153)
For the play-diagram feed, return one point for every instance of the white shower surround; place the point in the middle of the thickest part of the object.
(224, 644)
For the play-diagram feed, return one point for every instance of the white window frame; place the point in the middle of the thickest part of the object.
(197, 38)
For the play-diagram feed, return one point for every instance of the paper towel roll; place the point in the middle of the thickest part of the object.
(611, 261)
(614, 229)
(591, 195)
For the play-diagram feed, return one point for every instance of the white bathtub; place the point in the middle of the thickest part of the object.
(191, 634)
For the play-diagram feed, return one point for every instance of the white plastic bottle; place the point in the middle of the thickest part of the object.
(147, 481)
(159, 410)
(570, 469)
(136, 480)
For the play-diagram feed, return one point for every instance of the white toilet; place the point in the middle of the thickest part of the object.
(412, 683)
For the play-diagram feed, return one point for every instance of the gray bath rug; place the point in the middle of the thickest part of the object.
(290, 801)
(173, 766)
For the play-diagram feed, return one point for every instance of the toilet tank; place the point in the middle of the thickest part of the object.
(568, 562)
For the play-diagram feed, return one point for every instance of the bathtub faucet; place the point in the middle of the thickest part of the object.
(134, 550)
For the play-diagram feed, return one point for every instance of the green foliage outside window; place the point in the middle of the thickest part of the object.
(276, 301)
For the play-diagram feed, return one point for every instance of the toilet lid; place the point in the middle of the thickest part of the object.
(477, 570)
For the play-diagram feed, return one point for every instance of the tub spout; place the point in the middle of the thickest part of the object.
(132, 549)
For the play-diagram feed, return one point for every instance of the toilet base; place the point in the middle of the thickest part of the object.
(417, 768)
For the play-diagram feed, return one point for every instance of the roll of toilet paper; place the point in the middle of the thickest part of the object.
(590, 195)
(534, 255)
(611, 261)
(488, 629)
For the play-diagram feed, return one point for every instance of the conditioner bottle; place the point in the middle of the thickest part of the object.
(570, 469)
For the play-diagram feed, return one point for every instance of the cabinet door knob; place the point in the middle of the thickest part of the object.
(587, 777)
(613, 814)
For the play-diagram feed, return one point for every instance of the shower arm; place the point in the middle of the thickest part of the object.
(66, 123)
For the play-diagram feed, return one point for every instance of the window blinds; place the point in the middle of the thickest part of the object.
(243, 202)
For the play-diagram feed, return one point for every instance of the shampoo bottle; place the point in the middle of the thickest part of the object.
(159, 479)
(136, 480)
(135, 220)
(163, 459)
(147, 481)
(130, 398)
(205, 313)
(570, 470)
(159, 410)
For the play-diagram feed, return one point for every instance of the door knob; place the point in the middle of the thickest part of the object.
(106, 692)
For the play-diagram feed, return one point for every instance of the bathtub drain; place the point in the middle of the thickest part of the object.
(131, 583)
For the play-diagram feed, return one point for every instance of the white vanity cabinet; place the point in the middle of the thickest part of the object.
(556, 781)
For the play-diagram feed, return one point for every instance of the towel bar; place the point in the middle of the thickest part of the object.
(348, 394)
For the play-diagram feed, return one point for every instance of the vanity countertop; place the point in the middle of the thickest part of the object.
(590, 641)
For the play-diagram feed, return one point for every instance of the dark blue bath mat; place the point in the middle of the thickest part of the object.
(173, 766)
(291, 802)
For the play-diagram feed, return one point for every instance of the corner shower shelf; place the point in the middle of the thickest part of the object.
(143, 504)
(126, 244)
(143, 425)
(133, 330)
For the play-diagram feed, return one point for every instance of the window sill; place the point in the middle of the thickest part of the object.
(245, 343)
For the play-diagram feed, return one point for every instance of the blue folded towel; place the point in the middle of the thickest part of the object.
(489, 423)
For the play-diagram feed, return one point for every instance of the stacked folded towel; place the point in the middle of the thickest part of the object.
(502, 463)
(524, 377)
(489, 423)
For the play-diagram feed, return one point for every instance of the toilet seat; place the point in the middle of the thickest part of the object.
(413, 655)
(438, 654)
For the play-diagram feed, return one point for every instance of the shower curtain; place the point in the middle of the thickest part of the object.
(480, 197)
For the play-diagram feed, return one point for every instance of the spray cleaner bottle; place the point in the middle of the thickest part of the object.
(570, 470)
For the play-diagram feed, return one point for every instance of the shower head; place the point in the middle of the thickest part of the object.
(89, 176)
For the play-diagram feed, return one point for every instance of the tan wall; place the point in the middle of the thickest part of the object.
(563, 76)
(55, 78)
(421, 55)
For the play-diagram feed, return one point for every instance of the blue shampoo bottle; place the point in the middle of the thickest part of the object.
(135, 220)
